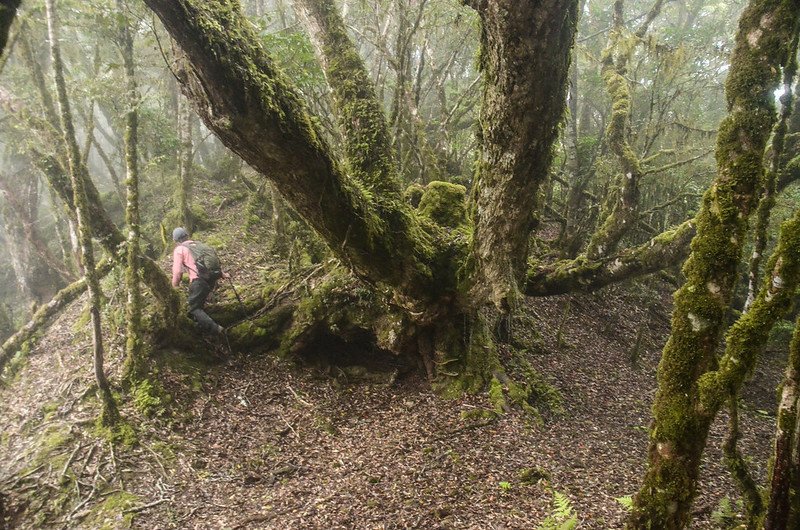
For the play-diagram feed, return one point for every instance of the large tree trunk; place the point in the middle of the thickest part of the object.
(690, 389)
(520, 114)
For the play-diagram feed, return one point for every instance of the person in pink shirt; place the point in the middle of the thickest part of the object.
(199, 289)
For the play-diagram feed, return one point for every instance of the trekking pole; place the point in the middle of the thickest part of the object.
(239, 298)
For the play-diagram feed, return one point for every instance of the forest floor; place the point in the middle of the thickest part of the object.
(251, 441)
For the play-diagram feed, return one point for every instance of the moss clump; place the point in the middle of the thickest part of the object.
(413, 194)
(120, 433)
(148, 398)
(110, 514)
(444, 203)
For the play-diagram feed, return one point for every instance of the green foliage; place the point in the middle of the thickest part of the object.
(563, 516)
(727, 516)
(626, 501)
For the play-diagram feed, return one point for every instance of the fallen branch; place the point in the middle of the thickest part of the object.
(45, 313)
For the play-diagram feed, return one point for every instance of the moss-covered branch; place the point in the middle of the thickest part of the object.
(520, 114)
(44, 314)
(360, 116)
(664, 250)
(681, 423)
(623, 207)
(767, 201)
(244, 99)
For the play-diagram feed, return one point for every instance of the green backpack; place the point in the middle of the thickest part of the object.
(206, 259)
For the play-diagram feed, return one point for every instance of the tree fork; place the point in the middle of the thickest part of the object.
(242, 97)
(682, 410)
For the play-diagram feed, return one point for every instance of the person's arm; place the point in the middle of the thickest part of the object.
(177, 266)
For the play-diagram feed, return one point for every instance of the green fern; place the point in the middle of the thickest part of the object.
(626, 502)
(563, 516)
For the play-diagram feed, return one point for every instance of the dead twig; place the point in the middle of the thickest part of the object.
(142, 508)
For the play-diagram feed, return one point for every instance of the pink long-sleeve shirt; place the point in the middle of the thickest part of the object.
(182, 261)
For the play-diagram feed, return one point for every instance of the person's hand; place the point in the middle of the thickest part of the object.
(226, 276)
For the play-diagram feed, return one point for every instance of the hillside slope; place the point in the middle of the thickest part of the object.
(250, 441)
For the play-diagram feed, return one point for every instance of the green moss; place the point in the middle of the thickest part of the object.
(413, 194)
(54, 439)
(147, 397)
(444, 203)
(120, 433)
(109, 514)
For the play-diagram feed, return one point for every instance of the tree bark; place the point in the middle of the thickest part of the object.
(784, 446)
(690, 392)
(520, 114)
(134, 350)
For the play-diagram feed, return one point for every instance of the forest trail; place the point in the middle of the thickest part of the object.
(256, 442)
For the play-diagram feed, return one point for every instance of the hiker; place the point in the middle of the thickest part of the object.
(201, 262)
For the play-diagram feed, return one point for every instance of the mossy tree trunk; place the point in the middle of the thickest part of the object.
(623, 206)
(109, 414)
(767, 201)
(520, 114)
(184, 189)
(691, 387)
(134, 351)
(781, 484)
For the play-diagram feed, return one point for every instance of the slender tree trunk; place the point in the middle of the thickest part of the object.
(784, 447)
(109, 414)
(134, 362)
(185, 164)
(767, 201)
(690, 387)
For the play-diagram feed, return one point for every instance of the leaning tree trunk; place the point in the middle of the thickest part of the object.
(134, 351)
(109, 414)
(690, 392)
(784, 446)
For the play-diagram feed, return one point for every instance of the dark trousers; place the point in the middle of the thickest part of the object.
(199, 290)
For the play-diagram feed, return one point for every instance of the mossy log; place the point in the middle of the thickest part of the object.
(45, 313)
(689, 394)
